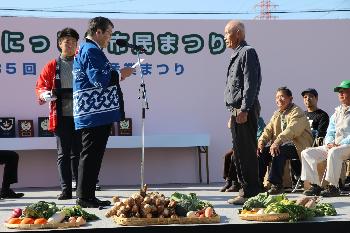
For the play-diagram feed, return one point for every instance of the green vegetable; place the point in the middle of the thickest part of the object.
(296, 212)
(324, 209)
(78, 211)
(186, 203)
(256, 201)
(262, 200)
(41, 209)
(274, 198)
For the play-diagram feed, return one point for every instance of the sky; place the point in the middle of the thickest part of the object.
(179, 9)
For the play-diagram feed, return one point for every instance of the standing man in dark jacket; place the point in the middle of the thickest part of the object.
(241, 98)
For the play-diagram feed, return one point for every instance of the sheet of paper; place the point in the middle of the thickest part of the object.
(137, 63)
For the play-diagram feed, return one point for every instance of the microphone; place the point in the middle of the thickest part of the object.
(124, 43)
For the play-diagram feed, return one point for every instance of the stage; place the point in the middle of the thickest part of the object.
(230, 221)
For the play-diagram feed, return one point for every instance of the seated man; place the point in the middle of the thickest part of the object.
(288, 133)
(335, 150)
(318, 118)
(10, 160)
(230, 173)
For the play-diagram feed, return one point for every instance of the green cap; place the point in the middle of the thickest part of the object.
(344, 84)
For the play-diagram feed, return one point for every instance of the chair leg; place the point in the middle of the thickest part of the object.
(324, 176)
(296, 185)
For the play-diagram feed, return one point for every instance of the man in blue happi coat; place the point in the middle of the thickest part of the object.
(97, 103)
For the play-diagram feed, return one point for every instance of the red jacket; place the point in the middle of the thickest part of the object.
(46, 82)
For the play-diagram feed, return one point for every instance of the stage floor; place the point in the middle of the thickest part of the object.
(209, 192)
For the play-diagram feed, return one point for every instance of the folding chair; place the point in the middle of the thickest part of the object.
(325, 171)
(318, 141)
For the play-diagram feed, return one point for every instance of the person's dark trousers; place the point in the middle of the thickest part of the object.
(244, 146)
(229, 167)
(295, 169)
(10, 160)
(277, 163)
(94, 141)
(68, 149)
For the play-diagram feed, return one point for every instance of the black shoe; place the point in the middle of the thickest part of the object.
(87, 203)
(235, 187)
(314, 190)
(276, 189)
(330, 191)
(347, 180)
(97, 187)
(226, 186)
(10, 194)
(64, 196)
(102, 203)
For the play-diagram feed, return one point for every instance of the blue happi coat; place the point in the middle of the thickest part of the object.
(95, 95)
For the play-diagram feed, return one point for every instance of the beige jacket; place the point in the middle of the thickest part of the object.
(297, 129)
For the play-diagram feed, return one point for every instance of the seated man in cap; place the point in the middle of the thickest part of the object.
(287, 134)
(335, 150)
(318, 118)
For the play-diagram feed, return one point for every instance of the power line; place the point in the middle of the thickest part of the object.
(176, 13)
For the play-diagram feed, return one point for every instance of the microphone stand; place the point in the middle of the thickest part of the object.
(144, 103)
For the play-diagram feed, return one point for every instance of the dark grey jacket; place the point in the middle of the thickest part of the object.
(243, 78)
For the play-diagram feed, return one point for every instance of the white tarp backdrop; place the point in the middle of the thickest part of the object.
(185, 68)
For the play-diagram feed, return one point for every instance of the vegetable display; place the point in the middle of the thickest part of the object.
(302, 209)
(41, 213)
(186, 203)
(156, 205)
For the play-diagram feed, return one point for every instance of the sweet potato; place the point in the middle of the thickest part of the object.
(208, 212)
(303, 200)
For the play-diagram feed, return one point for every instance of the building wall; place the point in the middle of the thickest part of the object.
(297, 54)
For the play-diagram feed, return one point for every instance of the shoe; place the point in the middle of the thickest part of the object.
(347, 180)
(102, 203)
(276, 189)
(314, 190)
(87, 203)
(262, 188)
(226, 186)
(98, 187)
(239, 200)
(74, 185)
(64, 196)
(235, 187)
(10, 194)
(330, 191)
